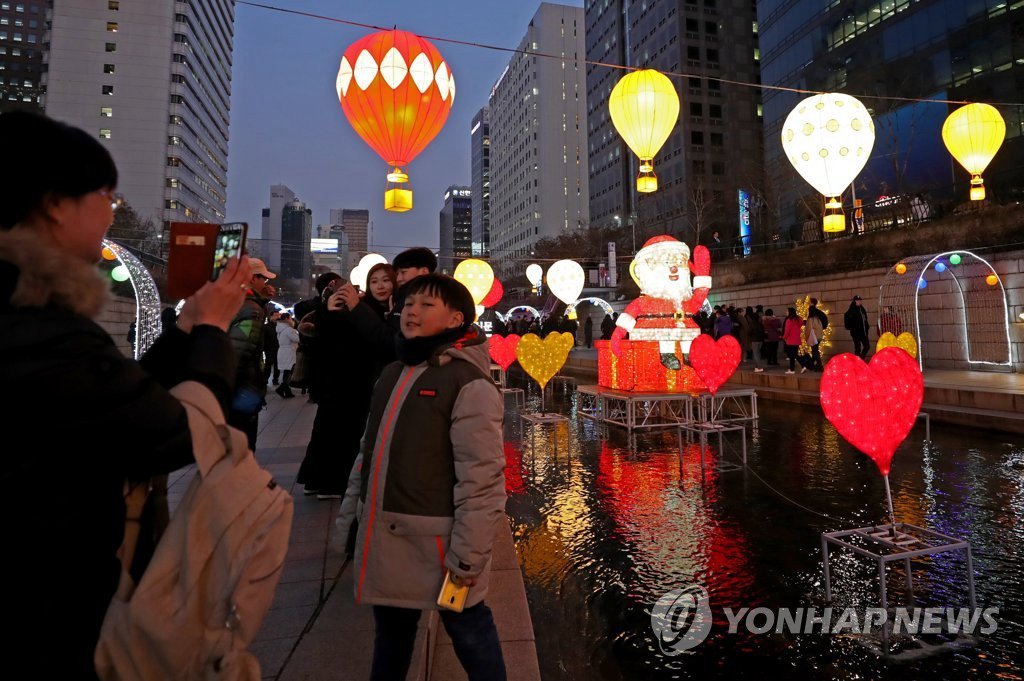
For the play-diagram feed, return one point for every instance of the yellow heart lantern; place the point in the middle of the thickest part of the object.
(542, 359)
(905, 341)
(477, 276)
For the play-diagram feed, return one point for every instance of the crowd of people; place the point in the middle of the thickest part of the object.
(408, 427)
(761, 334)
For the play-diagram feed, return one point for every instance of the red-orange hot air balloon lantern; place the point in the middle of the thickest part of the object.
(396, 90)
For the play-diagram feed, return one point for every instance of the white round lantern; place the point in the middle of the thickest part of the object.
(828, 139)
(566, 279)
(534, 274)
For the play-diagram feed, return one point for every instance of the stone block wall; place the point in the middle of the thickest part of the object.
(941, 312)
(115, 319)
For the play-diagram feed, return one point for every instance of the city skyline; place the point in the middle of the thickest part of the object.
(283, 83)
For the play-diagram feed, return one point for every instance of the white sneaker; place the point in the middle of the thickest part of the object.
(803, 370)
(758, 370)
(790, 371)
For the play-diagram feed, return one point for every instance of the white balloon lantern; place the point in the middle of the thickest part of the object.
(371, 259)
(534, 274)
(566, 279)
(828, 139)
(357, 277)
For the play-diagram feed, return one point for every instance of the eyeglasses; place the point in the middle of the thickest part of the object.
(116, 199)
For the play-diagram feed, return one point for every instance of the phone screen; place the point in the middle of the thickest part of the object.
(230, 244)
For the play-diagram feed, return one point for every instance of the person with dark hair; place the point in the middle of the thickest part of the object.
(408, 265)
(288, 344)
(607, 327)
(347, 369)
(435, 427)
(772, 335)
(816, 324)
(131, 336)
(756, 333)
(271, 347)
(856, 322)
(57, 199)
(791, 339)
(588, 332)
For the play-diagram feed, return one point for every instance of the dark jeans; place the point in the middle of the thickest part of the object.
(816, 364)
(473, 635)
(286, 381)
(333, 446)
(860, 346)
(771, 352)
(791, 351)
(271, 368)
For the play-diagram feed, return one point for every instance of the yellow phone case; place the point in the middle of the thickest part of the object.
(452, 597)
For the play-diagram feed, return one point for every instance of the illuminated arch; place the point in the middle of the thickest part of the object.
(600, 302)
(984, 323)
(527, 308)
(147, 298)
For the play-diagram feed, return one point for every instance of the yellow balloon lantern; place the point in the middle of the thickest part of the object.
(901, 269)
(973, 134)
(477, 276)
(991, 280)
(828, 139)
(644, 107)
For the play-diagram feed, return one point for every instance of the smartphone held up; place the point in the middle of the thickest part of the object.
(199, 252)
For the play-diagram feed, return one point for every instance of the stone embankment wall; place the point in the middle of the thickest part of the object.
(115, 319)
(941, 313)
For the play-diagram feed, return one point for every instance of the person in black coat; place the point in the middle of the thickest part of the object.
(607, 327)
(95, 418)
(347, 366)
(856, 322)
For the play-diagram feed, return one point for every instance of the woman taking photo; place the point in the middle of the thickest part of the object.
(94, 417)
(347, 367)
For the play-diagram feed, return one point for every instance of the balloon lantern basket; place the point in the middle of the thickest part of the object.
(702, 432)
(893, 543)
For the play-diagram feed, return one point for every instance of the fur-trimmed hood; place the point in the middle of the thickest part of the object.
(35, 274)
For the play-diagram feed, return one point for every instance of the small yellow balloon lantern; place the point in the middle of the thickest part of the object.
(901, 268)
(644, 107)
(828, 139)
(477, 276)
(991, 280)
(973, 134)
(108, 254)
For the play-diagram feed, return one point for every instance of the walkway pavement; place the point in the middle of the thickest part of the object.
(314, 630)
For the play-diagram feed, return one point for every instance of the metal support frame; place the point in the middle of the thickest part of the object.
(537, 420)
(497, 375)
(518, 393)
(743, 400)
(702, 430)
(927, 426)
(892, 543)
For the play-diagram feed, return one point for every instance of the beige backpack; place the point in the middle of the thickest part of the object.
(211, 580)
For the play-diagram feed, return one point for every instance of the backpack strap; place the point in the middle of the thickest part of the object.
(210, 440)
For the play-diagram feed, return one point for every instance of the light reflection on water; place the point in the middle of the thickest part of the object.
(603, 531)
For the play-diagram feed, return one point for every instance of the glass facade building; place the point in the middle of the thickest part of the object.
(961, 50)
(480, 150)
(456, 227)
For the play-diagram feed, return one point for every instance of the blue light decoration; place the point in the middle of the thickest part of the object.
(921, 283)
(744, 202)
(940, 267)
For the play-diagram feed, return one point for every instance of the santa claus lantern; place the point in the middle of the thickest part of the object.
(664, 311)
(396, 90)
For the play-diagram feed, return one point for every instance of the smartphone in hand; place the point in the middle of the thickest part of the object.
(453, 595)
(230, 244)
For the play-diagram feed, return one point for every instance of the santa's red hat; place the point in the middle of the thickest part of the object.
(660, 239)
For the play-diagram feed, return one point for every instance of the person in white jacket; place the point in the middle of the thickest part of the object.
(288, 342)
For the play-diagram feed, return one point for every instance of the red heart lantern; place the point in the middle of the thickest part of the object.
(714, 361)
(503, 349)
(873, 406)
(493, 296)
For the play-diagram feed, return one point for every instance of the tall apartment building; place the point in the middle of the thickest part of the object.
(456, 233)
(538, 138)
(23, 28)
(152, 80)
(296, 233)
(716, 147)
(925, 49)
(355, 223)
(269, 238)
(480, 182)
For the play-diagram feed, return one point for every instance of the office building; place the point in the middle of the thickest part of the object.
(716, 147)
(924, 49)
(22, 50)
(355, 224)
(456, 234)
(296, 235)
(480, 184)
(152, 80)
(538, 139)
(269, 237)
